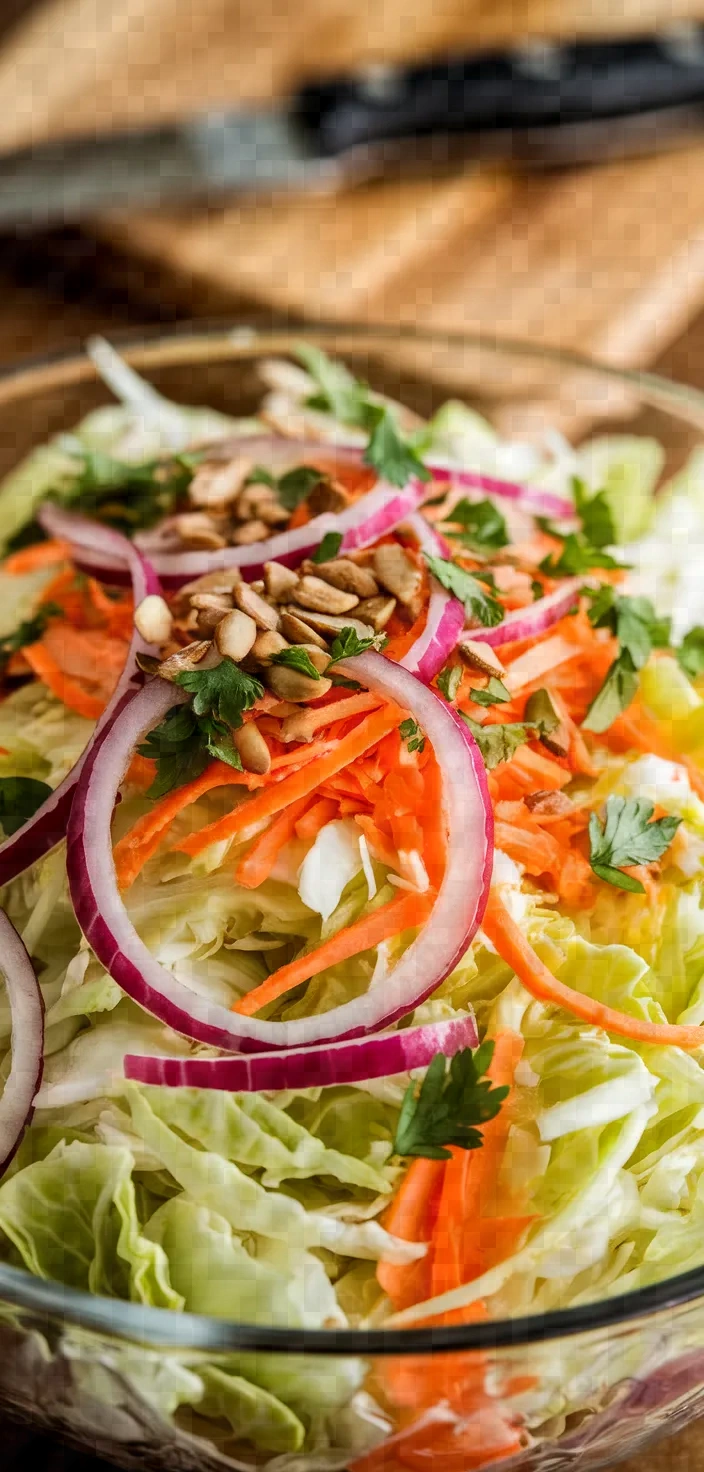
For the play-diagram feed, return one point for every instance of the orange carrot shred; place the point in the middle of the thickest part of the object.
(32, 559)
(404, 912)
(257, 864)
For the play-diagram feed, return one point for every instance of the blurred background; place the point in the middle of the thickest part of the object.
(607, 257)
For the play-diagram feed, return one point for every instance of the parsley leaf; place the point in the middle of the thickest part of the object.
(595, 514)
(410, 732)
(352, 402)
(464, 585)
(482, 524)
(691, 653)
(577, 555)
(296, 485)
(224, 692)
(20, 799)
(329, 547)
(297, 658)
(494, 694)
(348, 643)
(449, 680)
(27, 632)
(615, 695)
(537, 590)
(541, 711)
(628, 837)
(125, 496)
(177, 747)
(498, 743)
(449, 1105)
(633, 621)
(387, 451)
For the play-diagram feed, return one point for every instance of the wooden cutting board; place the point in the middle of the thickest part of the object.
(609, 259)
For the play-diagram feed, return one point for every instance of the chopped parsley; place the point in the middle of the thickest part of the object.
(125, 496)
(596, 516)
(224, 692)
(338, 392)
(449, 680)
(410, 732)
(449, 1105)
(628, 837)
(297, 658)
(494, 694)
(615, 695)
(291, 488)
(20, 799)
(691, 653)
(329, 547)
(499, 743)
(638, 629)
(483, 526)
(177, 747)
(465, 586)
(27, 632)
(348, 643)
(577, 555)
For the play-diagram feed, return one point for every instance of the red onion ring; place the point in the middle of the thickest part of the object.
(362, 523)
(530, 498)
(27, 1013)
(429, 959)
(380, 1056)
(48, 825)
(527, 623)
(446, 616)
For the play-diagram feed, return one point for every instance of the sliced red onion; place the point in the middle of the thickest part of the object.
(361, 524)
(48, 825)
(429, 959)
(27, 1013)
(446, 616)
(380, 1056)
(530, 498)
(527, 623)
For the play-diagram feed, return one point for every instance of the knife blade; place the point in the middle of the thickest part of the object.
(538, 105)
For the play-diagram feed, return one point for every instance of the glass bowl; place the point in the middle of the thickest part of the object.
(576, 1389)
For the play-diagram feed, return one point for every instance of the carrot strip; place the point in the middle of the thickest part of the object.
(405, 911)
(412, 1216)
(539, 661)
(301, 784)
(380, 845)
(322, 812)
(61, 685)
(511, 944)
(137, 846)
(258, 863)
(31, 559)
(338, 710)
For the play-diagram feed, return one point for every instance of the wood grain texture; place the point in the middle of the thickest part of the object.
(80, 64)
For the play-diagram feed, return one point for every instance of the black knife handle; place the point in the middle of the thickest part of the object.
(528, 88)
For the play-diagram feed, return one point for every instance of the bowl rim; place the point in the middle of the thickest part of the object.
(163, 345)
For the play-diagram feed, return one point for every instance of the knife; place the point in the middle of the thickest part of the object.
(537, 105)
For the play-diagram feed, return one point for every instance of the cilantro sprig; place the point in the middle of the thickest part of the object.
(482, 527)
(690, 654)
(329, 547)
(224, 692)
(628, 836)
(291, 488)
(449, 681)
(348, 643)
(126, 496)
(467, 587)
(297, 658)
(639, 630)
(499, 743)
(190, 735)
(494, 694)
(449, 1106)
(338, 392)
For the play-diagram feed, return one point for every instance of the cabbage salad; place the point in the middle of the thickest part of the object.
(373, 966)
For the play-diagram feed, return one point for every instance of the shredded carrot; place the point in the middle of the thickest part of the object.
(412, 1216)
(61, 685)
(322, 812)
(511, 944)
(406, 911)
(308, 780)
(379, 844)
(32, 559)
(139, 845)
(258, 863)
(141, 772)
(352, 705)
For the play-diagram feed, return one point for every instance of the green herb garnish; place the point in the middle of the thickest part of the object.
(329, 547)
(410, 732)
(224, 692)
(494, 694)
(628, 837)
(449, 680)
(27, 632)
(20, 799)
(449, 1105)
(348, 643)
(483, 526)
(499, 743)
(465, 586)
(297, 658)
(691, 653)
(352, 402)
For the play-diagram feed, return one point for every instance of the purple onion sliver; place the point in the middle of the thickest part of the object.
(380, 1056)
(528, 623)
(530, 498)
(457, 913)
(27, 1013)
